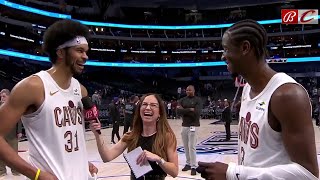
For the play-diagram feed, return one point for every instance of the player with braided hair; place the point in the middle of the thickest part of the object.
(276, 136)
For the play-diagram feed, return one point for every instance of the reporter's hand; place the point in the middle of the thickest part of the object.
(146, 156)
(94, 126)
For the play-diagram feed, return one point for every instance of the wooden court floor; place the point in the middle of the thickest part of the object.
(209, 149)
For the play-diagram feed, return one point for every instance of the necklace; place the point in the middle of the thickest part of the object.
(149, 134)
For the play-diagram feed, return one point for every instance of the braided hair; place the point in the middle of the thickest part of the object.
(253, 32)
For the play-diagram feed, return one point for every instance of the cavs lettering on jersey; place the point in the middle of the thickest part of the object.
(259, 144)
(56, 132)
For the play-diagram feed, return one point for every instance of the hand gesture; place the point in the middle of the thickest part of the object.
(94, 126)
(213, 171)
(146, 156)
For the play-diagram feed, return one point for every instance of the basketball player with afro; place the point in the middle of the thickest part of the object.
(276, 136)
(49, 105)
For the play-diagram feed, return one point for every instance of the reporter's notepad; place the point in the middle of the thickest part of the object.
(131, 159)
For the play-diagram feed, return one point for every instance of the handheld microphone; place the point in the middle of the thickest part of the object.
(90, 110)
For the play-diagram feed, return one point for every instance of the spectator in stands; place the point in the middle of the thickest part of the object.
(179, 92)
(190, 108)
(136, 100)
(315, 108)
(12, 138)
(96, 98)
(317, 111)
(114, 112)
(314, 92)
(227, 118)
(174, 105)
(129, 114)
(169, 109)
(152, 132)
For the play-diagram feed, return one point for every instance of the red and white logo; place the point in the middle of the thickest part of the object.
(299, 16)
(289, 16)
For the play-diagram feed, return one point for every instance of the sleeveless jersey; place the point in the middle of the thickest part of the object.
(56, 131)
(259, 144)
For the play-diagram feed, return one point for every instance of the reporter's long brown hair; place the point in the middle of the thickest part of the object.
(165, 136)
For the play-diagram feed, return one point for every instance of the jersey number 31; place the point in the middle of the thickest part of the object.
(72, 141)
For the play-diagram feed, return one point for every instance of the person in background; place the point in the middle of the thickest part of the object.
(129, 113)
(190, 108)
(12, 138)
(227, 118)
(174, 105)
(96, 98)
(169, 109)
(114, 112)
(136, 100)
(179, 92)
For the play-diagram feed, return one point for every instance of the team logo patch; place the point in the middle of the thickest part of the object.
(217, 144)
(76, 92)
(261, 106)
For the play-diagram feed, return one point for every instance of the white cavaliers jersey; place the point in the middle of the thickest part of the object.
(259, 144)
(56, 132)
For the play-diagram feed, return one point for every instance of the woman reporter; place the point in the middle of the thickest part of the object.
(153, 133)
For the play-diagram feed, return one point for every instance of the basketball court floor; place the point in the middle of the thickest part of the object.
(210, 148)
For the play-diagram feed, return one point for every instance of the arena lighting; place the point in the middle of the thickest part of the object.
(149, 65)
(65, 16)
(184, 52)
(143, 52)
(22, 38)
(34, 10)
(297, 46)
(104, 50)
